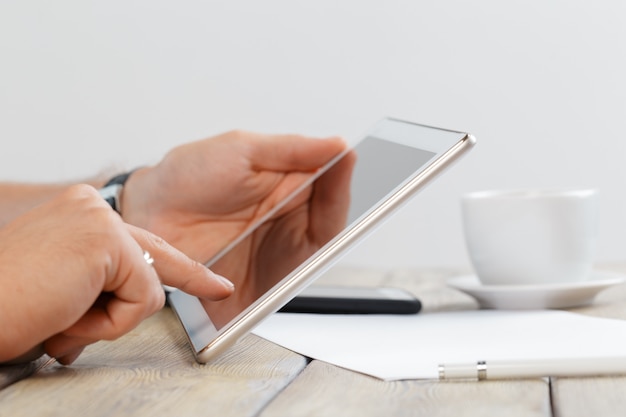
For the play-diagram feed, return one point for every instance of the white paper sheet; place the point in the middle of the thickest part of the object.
(395, 347)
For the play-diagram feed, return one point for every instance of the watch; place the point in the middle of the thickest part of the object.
(112, 190)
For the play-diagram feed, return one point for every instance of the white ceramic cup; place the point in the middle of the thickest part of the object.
(531, 237)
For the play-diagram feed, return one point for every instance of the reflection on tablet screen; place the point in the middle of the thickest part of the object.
(310, 219)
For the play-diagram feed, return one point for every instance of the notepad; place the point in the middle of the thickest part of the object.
(412, 347)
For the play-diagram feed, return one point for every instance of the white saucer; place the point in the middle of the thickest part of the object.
(532, 297)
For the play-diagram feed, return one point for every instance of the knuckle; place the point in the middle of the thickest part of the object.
(192, 270)
(235, 133)
(82, 193)
(87, 200)
(160, 299)
(80, 190)
(157, 243)
(157, 300)
(238, 135)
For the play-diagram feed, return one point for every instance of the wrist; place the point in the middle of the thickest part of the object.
(135, 198)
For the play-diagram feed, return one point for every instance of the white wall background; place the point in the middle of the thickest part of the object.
(87, 86)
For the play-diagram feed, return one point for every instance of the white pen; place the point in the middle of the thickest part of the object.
(482, 370)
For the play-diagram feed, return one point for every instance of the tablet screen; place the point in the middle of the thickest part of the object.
(372, 170)
(327, 212)
(376, 176)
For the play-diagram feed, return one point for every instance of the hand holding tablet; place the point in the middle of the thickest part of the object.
(304, 233)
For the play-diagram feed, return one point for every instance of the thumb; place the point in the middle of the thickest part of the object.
(293, 152)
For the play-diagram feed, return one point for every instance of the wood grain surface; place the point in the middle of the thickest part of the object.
(151, 372)
(324, 389)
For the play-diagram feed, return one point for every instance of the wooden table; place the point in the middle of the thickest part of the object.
(151, 372)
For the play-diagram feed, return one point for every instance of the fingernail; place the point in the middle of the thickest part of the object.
(69, 358)
(227, 283)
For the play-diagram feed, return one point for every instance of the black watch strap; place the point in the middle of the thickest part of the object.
(112, 190)
(119, 179)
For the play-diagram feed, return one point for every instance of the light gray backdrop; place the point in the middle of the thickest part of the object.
(88, 86)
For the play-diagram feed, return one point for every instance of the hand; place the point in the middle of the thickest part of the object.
(281, 243)
(204, 194)
(72, 273)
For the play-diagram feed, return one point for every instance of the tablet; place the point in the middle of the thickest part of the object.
(335, 207)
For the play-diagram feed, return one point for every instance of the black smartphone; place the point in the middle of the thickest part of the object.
(353, 300)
